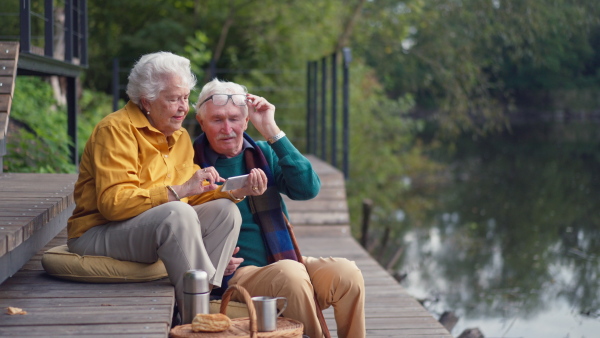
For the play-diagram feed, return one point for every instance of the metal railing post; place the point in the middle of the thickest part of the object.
(75, 25)
(72, 117)
(323, 108)
(115, 83)
(68, 30)
(346, 110)
(83, 31)
(25, 25)
(49, 28)
(308, 106)
(334, 149)
(314, 108)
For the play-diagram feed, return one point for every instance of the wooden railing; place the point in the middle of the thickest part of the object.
(321, 134)
(74, 27)
(9, 56)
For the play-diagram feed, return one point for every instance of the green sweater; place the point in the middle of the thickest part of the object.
(295, 178)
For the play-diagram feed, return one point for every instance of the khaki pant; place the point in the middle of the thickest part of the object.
(336, 281)
(184, 237)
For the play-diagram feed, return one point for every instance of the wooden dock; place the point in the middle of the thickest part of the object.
(322, 228)
(58, 308)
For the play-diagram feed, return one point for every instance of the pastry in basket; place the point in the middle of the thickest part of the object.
(214, 322)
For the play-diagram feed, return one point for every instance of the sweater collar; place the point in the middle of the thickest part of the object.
(212, 156)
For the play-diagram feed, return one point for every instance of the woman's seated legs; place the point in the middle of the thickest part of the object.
(173, 232)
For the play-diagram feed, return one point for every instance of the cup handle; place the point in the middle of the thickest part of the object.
(284, 305)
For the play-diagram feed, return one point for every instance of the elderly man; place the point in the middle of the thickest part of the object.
(264, 261)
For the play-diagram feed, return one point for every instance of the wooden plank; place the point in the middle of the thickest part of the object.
(298, 218)
(319, 206)
(88, 315)
(13, 236)
(30, 303)
(324, 194)
(7, 67)
(9, 50)
(6, 85)
(3, 244)
(5, 104)
(50, 285)
(121, 330)
(303, 230)
(61, 293)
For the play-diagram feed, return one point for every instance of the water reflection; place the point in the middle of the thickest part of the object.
(513, 246)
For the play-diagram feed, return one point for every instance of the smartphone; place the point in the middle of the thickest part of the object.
(234, 182)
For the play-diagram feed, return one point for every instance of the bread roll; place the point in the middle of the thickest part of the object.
(215, 322)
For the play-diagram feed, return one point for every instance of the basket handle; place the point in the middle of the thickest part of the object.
(248, 300)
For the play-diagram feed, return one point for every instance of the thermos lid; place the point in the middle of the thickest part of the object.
(195, 281)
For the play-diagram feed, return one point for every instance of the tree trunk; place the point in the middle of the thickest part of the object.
(59, 85)
(345, 37)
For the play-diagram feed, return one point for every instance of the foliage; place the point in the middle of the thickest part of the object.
(461, 63)
(38, 142)
(388, 164)
(93, 107)
(197, 51)
(128, 29)
(42, 146)
(467, 62)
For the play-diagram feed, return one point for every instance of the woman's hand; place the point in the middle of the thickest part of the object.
(255, 185)
(234, 263)
(202, 181)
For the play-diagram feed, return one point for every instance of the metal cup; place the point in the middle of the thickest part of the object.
(266, 312)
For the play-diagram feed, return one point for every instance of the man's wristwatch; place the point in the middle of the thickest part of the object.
(276, 138)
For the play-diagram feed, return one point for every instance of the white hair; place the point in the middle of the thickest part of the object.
(217, 86)
(147, 77)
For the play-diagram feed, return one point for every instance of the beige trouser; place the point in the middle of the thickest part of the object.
(184, 237)
(336, 281)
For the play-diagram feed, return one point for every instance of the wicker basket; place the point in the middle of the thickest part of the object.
(243, 327)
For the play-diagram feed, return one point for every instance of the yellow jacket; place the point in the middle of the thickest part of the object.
(125, 168)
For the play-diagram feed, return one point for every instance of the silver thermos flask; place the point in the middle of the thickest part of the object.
(196, 295)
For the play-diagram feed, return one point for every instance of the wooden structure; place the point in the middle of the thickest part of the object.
(9, 56)
(21, 56)
(33, 204)
(34, 208)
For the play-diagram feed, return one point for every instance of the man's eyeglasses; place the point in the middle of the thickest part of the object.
(221, 99)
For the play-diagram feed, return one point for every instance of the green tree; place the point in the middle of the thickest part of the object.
(467, 62)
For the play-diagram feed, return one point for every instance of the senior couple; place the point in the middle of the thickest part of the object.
(145, 192)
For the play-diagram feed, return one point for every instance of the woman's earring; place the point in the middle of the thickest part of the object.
(148, 112)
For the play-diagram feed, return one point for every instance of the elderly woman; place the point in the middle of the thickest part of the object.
(139, 196)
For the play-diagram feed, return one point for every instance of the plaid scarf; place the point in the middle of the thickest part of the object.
(266, 208)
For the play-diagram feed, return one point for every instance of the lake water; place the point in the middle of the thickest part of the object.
(512, 246)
